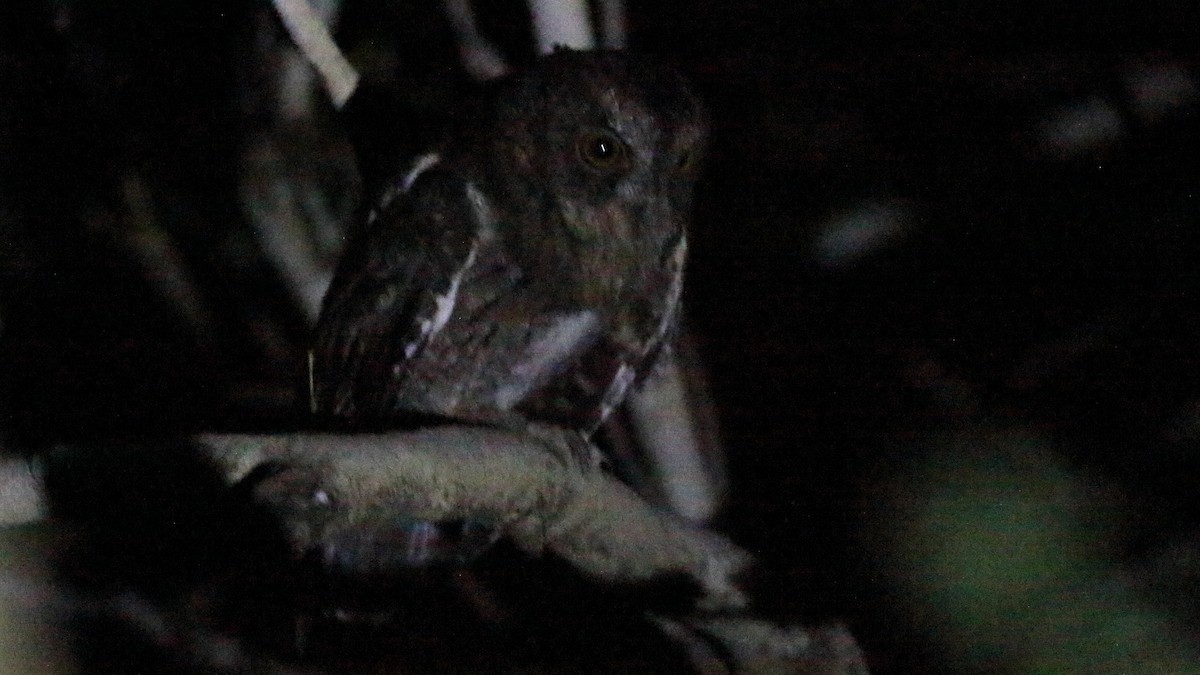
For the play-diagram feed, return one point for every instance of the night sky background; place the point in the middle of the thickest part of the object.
(918, 221)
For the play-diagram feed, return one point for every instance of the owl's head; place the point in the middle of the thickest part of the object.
(599, 151)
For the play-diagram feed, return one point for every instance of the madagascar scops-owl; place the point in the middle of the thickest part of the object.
(531, 266)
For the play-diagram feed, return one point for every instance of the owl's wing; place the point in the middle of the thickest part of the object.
(394, 289)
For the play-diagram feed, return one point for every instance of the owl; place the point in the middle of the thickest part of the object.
(530, 267)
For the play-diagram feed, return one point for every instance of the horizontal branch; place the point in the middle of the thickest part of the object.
(529, 485)
(328, 488)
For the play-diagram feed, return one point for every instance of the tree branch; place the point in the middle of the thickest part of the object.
(311, 35)
(531, 486)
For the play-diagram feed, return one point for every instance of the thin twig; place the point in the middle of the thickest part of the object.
(312, 36)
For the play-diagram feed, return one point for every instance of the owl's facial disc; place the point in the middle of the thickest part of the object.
(594, 156)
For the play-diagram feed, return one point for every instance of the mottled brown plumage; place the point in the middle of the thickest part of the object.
(531, 266)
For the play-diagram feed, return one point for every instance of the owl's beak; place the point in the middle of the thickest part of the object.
(635, 228)
(604, 226)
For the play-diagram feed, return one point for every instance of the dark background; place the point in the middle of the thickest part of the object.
(1033, 266)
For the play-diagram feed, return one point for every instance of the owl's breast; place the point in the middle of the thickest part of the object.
(561, 355)
(488, 369)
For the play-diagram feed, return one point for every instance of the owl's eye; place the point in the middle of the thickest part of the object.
(603, 151)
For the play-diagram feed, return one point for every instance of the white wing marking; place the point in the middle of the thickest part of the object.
(616, 390)
(481, 208)
(443, 305)
(419, 166)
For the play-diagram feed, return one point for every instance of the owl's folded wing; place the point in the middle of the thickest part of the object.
(395, 289)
